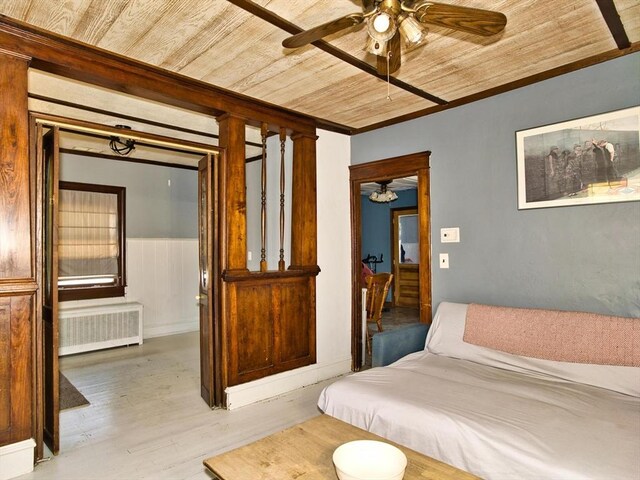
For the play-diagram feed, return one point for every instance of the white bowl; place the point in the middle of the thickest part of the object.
(369, 460)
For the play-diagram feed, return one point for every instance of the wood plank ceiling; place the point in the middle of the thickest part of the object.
(220, 43)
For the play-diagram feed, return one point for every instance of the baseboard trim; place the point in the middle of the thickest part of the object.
(173, 329)
(16, 459)
(274, 385)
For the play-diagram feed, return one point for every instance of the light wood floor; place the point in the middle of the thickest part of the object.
(147, 421)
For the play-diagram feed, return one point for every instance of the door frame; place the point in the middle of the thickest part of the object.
(39, 120)
(416, 164)
(395, 261)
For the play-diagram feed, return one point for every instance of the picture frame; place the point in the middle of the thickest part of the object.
(588, 160)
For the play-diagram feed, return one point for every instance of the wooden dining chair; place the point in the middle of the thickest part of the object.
(377, 289)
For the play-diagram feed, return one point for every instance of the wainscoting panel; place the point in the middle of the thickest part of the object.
(162, 274)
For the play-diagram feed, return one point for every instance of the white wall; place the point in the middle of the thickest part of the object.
(333, 295)
(162, 274)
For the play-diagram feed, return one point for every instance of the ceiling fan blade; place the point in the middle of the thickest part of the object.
(395, 60)
(465, 19)
(316, 33)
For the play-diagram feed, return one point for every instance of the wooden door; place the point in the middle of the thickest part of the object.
(51, 400)
(206, 299)
(406, 257)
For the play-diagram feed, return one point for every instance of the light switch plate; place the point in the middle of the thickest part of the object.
(444, 260)
(450, 235)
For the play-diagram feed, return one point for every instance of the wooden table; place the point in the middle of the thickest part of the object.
(305, 451)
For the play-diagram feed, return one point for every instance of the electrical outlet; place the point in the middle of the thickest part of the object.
(444, 260)
(249, 256)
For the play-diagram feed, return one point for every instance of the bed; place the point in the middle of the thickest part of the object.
(502, 415)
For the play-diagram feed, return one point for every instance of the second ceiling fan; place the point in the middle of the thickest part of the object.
(389, 21)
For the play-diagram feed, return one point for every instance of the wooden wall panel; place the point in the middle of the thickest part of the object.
(5, 363)
(15, 226)
(295, 321)
(304, 233)
(254, 328)
(268, 317)
(15, 368)
(17, 282)
(271, 325)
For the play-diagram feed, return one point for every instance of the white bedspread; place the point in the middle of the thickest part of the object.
(495, 423)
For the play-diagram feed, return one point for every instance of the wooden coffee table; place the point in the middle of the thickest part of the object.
(305, 451)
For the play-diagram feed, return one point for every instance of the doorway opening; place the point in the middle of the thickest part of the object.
(49, 134)
(378, 247)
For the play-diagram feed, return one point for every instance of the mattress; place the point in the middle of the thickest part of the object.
(495, 423)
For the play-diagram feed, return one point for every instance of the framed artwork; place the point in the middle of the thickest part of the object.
(584, 161)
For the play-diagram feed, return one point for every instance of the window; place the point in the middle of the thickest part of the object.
(91, 245)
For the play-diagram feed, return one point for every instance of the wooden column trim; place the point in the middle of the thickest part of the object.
(304, 230)
(424, 218)
(234, 203)
(15, 220)
(17, 272)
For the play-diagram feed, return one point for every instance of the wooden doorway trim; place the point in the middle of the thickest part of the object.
(416, 164)
(46, 345)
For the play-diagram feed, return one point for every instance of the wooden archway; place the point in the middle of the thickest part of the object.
(416, 164)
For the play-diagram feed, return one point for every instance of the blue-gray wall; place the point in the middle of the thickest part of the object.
(154, 209)
(376, 225)
(572, 258)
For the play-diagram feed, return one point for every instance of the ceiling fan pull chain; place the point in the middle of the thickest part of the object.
(388, 82)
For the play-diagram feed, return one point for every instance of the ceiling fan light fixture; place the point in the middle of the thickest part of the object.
(383, 195)
(381, 22)
(381, 27)
(412, 31)
(376, 47)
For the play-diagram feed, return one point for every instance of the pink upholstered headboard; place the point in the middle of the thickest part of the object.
(574, 337)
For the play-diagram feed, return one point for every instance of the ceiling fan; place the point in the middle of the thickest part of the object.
(390, 20)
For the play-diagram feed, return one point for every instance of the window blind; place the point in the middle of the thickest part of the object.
(87, 234)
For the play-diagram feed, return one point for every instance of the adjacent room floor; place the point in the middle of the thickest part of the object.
(146, 419)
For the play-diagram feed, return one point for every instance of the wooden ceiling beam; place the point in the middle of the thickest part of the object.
(612, 17)
(293, 29)
(79, 61)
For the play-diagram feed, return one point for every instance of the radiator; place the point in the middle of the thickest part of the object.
(84, 329)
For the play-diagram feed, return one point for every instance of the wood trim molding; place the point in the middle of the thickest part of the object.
(289, 27)
(123, 116)
(612, 17)
(396, 167)
(88, 128)
(242, 276)
(16, 286)
(116, 158)
(72, 59)
(26, 58)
